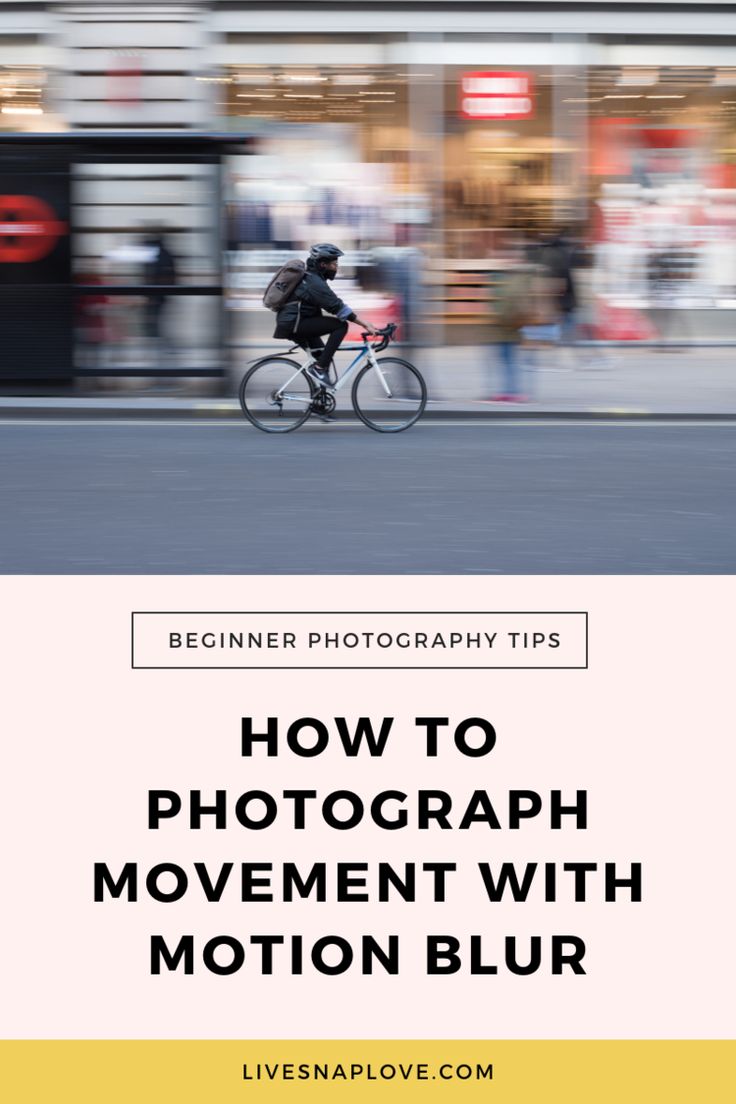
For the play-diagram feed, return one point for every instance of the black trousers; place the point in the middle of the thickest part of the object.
(311, 331)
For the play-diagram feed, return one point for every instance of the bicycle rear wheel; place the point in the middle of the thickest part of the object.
(391, 398)
(275, 395)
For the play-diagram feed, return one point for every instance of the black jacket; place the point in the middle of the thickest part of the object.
(160, 269)
(310, 298)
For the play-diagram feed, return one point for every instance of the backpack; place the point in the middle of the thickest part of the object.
(283, 284)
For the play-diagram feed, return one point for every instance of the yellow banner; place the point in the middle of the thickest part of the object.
(431, 1071)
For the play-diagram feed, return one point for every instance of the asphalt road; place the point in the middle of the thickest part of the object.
(212, 498)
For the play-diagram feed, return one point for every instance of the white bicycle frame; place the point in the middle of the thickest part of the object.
(366, 351)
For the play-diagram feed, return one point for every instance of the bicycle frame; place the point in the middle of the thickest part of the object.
(366, 351)
(263, 405)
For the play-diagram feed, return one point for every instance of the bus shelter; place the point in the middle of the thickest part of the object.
(111, 255)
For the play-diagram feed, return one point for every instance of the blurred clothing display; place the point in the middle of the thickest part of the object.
(668, 272)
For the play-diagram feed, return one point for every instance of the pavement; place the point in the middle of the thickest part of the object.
(581, 382)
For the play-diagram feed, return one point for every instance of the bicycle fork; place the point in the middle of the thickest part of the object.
(376, 367)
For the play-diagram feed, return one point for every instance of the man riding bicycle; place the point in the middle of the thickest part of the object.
(301, 318)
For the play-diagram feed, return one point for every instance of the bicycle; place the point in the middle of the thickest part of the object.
(277, 394)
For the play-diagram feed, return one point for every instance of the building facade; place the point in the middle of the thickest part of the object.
(422, 136)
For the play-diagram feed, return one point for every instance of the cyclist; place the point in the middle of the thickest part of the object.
(301, 318)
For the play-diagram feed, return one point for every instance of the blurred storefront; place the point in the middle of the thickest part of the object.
(443, 147)
(331, 161)
(424, 140)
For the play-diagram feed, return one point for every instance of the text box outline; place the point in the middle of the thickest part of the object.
(352, 613)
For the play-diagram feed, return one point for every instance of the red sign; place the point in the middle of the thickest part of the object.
(29, 229)
(496, 95)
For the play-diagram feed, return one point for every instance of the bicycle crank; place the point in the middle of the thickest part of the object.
(323, 402)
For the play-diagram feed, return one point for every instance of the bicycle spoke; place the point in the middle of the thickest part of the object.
(275, 395)
(389, 396)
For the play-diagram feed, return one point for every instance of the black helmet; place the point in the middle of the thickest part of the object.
(325, 252)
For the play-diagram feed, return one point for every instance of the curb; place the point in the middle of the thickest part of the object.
(229, 412)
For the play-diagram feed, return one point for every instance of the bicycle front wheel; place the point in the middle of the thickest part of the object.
(275, 395)
(391, 396)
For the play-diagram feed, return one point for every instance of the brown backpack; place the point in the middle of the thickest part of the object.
(283, 285)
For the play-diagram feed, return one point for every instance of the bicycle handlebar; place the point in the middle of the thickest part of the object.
(386, 334)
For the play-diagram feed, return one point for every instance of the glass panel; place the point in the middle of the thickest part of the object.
(120, 211)
(146, 226)
(164, 333)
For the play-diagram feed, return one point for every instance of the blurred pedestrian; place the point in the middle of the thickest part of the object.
(555, 253)
(398, 271)
(511, 314)
(541, 331)
(159, 270)
(559, 258)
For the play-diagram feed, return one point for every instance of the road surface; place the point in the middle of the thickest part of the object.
(445, 497)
